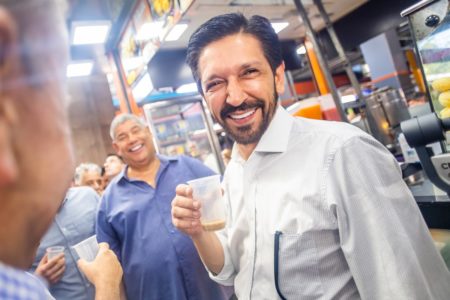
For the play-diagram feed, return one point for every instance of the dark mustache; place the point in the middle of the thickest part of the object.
(228, 109)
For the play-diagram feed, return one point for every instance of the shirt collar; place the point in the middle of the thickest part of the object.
(276, 137)
(164, 162)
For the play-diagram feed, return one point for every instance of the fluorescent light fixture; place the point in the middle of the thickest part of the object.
(301, 50)
(187, 88)
(348, 98)
(77, 69)
(132, 63)
(85, 33)
(142, 88)
(217, 127)
(176, 32)
(149, 31)
(278, 26)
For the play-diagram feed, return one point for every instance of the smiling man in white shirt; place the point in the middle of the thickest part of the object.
(316, 209)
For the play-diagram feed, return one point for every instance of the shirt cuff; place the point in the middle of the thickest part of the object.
(227, 274)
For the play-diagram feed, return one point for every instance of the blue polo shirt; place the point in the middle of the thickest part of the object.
(158, 261)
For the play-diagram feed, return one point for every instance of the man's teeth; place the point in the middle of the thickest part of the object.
(135, 148)
(242, 116)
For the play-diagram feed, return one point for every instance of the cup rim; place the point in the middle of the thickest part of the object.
(201, 179)
(55, 249)
(86, 241)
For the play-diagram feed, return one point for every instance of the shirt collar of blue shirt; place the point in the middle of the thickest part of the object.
(164, 160)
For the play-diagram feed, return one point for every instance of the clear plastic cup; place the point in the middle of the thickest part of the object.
(87, 249)
(208, 192)
(54, 251)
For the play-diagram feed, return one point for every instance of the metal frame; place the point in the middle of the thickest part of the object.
(213, 140)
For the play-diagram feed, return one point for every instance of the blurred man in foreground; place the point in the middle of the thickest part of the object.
(35, 147)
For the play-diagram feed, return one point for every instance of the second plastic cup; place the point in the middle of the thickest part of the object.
(87, 249)
(54, 251)
(208, 192)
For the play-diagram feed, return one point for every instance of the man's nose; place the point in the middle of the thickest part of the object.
(235, 93)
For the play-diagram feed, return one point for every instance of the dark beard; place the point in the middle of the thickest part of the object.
(245, 135)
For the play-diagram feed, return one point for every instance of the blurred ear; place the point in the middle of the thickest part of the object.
(116, 148)
(279, 79)
(8, 117)
(8, 41)
(8, 161)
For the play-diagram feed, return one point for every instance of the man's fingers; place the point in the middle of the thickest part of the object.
(81, 263)
(185, 202)
(55, 277)
(185, 224)
(180, 212)
(103, 246)
(55, 267)
(183, 190)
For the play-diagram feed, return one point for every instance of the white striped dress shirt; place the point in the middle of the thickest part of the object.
(349, 227)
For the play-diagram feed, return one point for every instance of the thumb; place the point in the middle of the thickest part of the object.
(81, 264)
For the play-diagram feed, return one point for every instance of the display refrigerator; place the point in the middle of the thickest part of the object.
(183, 125)
(429, 22)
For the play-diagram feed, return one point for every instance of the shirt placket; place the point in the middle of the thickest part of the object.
(250, 180)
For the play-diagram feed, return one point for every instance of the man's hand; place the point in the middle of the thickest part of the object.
(105, 273)
(186, 212)
(52, 270)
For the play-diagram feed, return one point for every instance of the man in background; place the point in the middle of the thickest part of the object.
(159, 262)
(89, 174)
(113, 165)
(73, 223)
(36, 160)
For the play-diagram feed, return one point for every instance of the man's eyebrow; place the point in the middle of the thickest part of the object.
(243, 66)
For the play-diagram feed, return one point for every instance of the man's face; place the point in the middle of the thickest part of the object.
(41, 146)
(239, 86)
(113, 165)
(94, 180)
(134, 144)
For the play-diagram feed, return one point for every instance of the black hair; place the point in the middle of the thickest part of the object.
(229, 24)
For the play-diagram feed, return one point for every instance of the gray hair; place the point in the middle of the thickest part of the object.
(41, 32)
(122, 118)
(83, 168)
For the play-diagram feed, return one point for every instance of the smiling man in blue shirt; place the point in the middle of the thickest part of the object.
(159, 262)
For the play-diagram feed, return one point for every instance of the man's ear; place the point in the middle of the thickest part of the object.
(279, 79)
(9, 167)
(116, 148)
(8, 41)
(9, 62)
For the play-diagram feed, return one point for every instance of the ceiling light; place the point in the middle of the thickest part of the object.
(187, 88)
(348, 98)
(142, 88)
(278, 26)
(301, 50)
(77, 69)
(176, 32)
(149, 30)
(85, 33)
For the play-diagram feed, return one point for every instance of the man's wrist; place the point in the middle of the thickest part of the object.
(107, 290)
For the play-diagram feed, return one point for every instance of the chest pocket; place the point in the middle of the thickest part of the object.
(296, 266)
